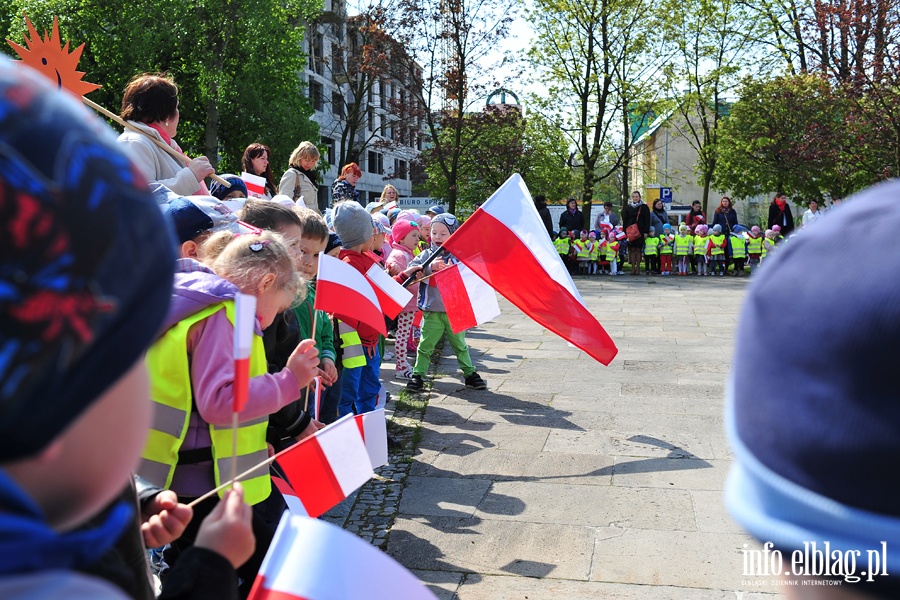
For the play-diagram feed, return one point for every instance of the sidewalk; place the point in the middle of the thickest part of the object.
(568, 479)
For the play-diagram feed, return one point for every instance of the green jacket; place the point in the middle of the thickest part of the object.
(324, 332)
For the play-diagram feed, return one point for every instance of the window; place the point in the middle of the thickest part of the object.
(370, 116)
(315, 95)
(400, 169)
(337, 104)
(316, 53)
(375, 163)
(337, 59)
(383, 92)
(329, 149)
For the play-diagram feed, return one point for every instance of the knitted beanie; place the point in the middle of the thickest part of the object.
(352, 223)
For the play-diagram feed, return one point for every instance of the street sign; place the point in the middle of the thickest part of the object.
(665, 194)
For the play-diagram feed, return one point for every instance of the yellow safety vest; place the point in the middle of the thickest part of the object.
(682, 245)
(738, 247)
(173, 399)
(352, 353)
(583, 249)
(755, 245)
(666, 247)
(595, 250)
(562, 245)
(651, 245)
(612, 251)
(716, 240)
(700, 243)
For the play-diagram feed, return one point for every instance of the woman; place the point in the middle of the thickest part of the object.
(301, 179)
(150, 104)
(344, 188)
(571, 219)
(726, 216)
(389, 194)
(658, 216)
(695, 217)
(540, 203)
(636, 213)
(780, 214)
(256, 162)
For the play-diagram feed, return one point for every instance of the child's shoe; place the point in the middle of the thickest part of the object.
(415, 384)
(475, 382)
(403, 373)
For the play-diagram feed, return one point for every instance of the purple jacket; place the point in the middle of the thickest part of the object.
(209, 346)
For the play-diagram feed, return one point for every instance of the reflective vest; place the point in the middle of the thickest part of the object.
(717, 241)
(596, 250)
(738, 247)
(562, 245)
(352, 353)
(651, 246)
(612, 251)
(754, 245)
(583, 249)
(700, 243)
(170, 388)
(667, 241)
(682, 245)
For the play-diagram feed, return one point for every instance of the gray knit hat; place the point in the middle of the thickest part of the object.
(352, 223)
(448, 220)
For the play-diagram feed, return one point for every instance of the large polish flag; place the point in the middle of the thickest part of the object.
(391, 295)
(468, 300)
(256, 185)
(373, 429)
(310, 559)
(521, 263)
(328, 466)
(345, 292)
(244, 321)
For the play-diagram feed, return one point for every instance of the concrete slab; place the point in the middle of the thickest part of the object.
(492, 587)
(677, 473)
(442, 497)
(502, 465)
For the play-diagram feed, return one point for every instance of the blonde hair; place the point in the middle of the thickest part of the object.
(245, 259)
(305, 151)
(386, 188)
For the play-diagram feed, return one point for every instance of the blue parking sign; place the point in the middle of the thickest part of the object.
(665, 194)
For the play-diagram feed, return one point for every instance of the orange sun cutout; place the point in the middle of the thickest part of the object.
(53, 60)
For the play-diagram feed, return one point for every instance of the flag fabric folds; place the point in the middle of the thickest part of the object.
(256, 185)
(310, 559)
(244, 321)
(373, 429)
(291, 498)
(391, 295)
(345, 292)
(521, 263)
(468, 300)
(328, 466)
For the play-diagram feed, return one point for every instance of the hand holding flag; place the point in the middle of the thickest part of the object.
(346, 293)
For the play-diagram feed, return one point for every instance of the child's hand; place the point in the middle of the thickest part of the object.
(328, 371)
(164, 519)
(228, 529)
(304, 362)
(313, 427)
(438, 265)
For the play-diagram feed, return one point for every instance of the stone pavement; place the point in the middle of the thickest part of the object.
(568, 479)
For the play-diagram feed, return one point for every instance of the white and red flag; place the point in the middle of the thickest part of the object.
(391, 295)
(244, 322)
(291, 498)
(468, 300)
(327, 466)
(521, 263)
(346, 293)
(256, 185)
(373, 429)
(308, 560)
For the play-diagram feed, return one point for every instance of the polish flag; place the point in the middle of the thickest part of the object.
(345, 292)
(308, 558)
(391, 295)
(521, 263)
(417, 318)
(469, 301)
(290, 496)
(244, 320)
(327, 466)
(256, 185)
(373, 429)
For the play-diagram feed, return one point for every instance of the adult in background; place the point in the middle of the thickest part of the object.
(256, 162)
(389, 194)
(540, 203)
(344, 188)
(571, 218)
(726, 216)
(780, 214)
(607, 217)
(301, 179)
(658, 216)
(638, 214)
(150, 104)
(812, 214)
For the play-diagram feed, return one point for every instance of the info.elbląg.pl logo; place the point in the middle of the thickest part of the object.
(816, 560)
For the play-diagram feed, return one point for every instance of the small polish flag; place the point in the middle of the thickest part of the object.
(390, 205)
(244, 320)
(327, 466)
(373, 429)
(318, 401)
(417, 318)
(256, 185)
(308, 560)
(346, 293)
(469, 301)
(392, 296)
(290, 496)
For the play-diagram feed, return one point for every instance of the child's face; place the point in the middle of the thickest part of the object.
(270, 300)
(439, 233)
(292, 235)
(309, 250)
(334, 252)
(379, 241)
(411, 239)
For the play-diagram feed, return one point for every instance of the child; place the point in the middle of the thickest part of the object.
(583, 248)
(651, 252)
(434, 322)
(701, 250)
(191, 369)
(682, 249)
(738, 253)
(666, 249)
(612, 253)
(776, 230)
(406, 237)
(717, 250)
(196, 218)
(598, 251)
(562, 246)
(769, 243)
(754, 248)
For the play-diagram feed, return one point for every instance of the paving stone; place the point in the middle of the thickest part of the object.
(443, 497)
(492, 587)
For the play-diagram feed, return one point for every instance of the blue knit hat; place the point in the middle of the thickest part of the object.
(220, 191)
(812, 410)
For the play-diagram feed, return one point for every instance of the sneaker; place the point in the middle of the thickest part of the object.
(415, 384)
(475, 382)
(388, 356)
(403, 373)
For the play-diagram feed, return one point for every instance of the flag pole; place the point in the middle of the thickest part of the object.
(439, 252)
(312, 335)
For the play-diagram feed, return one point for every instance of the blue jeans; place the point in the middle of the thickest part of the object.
(360, 386)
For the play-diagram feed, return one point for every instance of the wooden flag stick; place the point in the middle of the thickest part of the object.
(240, 476)
(312, 335)
(172, 152)
(234, 436)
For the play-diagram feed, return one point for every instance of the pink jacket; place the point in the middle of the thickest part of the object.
(397, 262)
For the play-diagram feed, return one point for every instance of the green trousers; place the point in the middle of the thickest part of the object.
(433, 325)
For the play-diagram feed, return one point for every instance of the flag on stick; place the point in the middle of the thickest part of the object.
(469, 301)
(373, 429)
(523, 266)
(308, 560)
(391, 295)
(345, 292)
(291, 498)
(256, 185)
(244, 320)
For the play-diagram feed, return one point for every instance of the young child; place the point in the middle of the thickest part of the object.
(583, 248)
(701, 250)
(651, 252)
(666, 249)
(562, 247)
(434, 322)
(717, 244)
(682, 249)
(191, 369)
(406, 237)
(769, 243)
(597, 256)
(754, 248)
(738, 252)
(612, 253)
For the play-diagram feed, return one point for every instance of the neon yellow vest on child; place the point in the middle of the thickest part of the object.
(700, 244)
(612, 251)
(738, 247)
(717, 241)
(651, 245)
(170, 388)
(562, 245)
(682, 245)
(666, 242)
(595, 250)
(583, 249)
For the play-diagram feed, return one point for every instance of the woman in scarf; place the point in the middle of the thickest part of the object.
(300, 180)
(780, 214)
